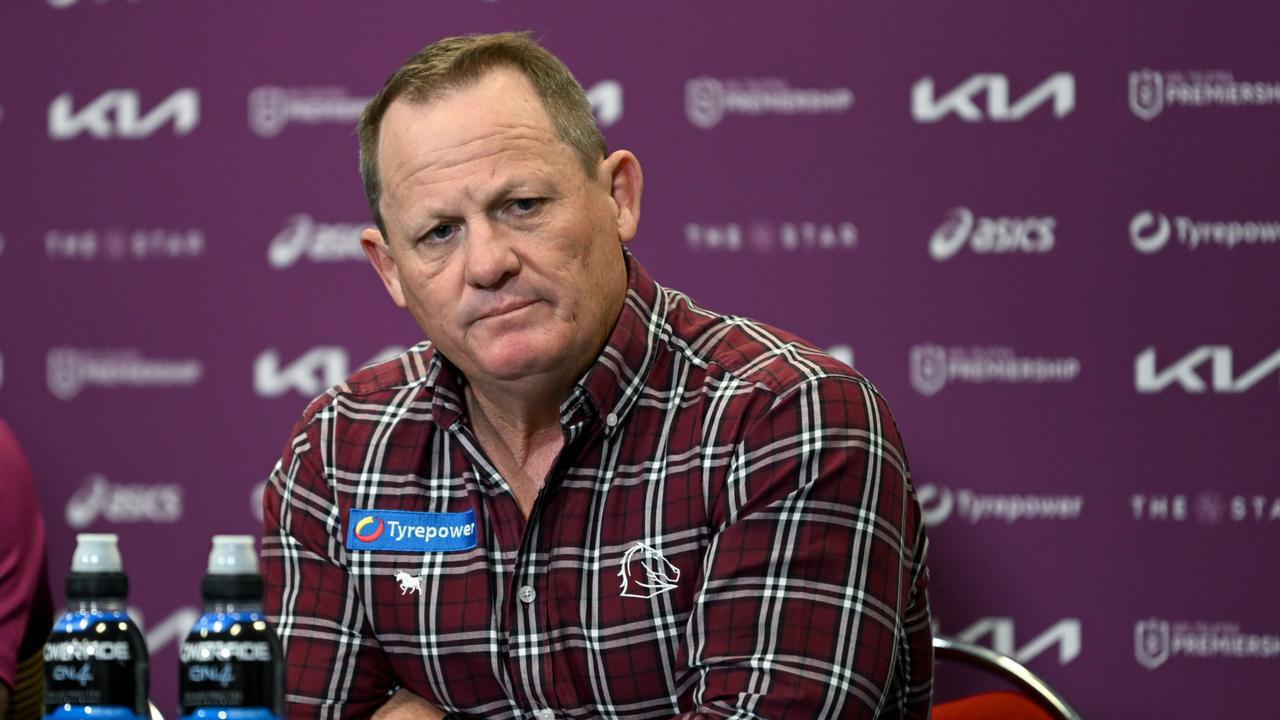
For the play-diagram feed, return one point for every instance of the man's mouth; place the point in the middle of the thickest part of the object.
(505, 309)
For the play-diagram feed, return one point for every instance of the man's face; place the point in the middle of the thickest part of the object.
(500, 246)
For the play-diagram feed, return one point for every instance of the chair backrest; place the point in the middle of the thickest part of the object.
(1009, 669)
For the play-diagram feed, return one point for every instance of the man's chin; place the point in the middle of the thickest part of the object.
(513, 365)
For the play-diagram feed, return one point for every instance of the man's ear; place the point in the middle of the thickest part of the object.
(626, 185)
(375, 247)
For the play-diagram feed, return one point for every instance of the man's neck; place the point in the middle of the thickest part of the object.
(522, 441)
(519, 421)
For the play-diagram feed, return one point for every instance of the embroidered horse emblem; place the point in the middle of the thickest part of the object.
(646, 573)
(409, 583)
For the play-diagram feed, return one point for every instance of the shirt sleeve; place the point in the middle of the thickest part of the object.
(334, 666)
(813, 600)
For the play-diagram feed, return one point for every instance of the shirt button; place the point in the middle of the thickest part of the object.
(527, 594)
(544, 714)
(611, 421)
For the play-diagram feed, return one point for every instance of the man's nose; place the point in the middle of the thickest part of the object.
(490, 255)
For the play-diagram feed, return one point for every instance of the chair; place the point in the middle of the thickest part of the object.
(1037, 701)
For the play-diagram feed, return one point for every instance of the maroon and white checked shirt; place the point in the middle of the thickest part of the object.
(729, 532)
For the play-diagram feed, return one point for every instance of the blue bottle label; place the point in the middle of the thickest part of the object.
(95, 665)
(231, 662)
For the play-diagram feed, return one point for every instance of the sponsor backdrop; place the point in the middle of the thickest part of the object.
(1048, 235)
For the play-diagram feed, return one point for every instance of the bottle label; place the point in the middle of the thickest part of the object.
(95, 665)
(230, 661)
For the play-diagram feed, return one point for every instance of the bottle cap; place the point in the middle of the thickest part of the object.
(233, 555)
(96, 553)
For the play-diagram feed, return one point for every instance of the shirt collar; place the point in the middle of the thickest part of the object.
(611, 385)
(615, 380)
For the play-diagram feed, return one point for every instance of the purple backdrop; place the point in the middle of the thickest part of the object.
(1049, 236)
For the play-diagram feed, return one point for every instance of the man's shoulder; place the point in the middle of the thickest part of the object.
(377, 383)
(751, 351)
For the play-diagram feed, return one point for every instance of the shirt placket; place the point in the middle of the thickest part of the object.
(525, 614)
(531, 612)
(528, 618)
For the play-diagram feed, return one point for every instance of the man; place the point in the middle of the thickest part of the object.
(583, 496)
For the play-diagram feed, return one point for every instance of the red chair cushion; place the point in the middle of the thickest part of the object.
(1001, 705)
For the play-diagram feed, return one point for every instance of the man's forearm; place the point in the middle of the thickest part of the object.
(404, 705)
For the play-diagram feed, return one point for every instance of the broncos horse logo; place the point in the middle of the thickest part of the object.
(645, 573)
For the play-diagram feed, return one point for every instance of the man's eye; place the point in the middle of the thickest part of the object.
(526, 206)
(440, 233)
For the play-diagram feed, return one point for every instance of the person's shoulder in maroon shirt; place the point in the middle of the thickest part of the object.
(25, 606)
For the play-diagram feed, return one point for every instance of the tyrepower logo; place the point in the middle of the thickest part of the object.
(70, 370)
(939, 503)
(309, 374)
(768, 237)
(708, 100)
(1186, 371)
(991, 235)
(99, 498)
(303, 237)
(369, 529)
(1151, 231)
(927, 106)
(117, 114)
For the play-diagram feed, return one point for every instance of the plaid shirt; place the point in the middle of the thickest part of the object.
(729, 531)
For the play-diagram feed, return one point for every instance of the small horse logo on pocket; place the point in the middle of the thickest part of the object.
(409, 583)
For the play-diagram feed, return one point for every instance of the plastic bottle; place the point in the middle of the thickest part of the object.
(95, 662)
(231, 665)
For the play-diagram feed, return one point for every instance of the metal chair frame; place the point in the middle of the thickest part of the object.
(1008, 668)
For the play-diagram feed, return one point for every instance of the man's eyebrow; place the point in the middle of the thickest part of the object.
(516, 186)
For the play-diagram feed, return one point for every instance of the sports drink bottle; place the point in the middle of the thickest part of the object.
(95, 662)
(231, 665)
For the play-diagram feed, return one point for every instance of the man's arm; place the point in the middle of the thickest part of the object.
(404, 705)
(813, 598)
(333, 662)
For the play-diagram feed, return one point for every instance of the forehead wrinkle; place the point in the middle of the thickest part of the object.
(429, 193)
(471, 148)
